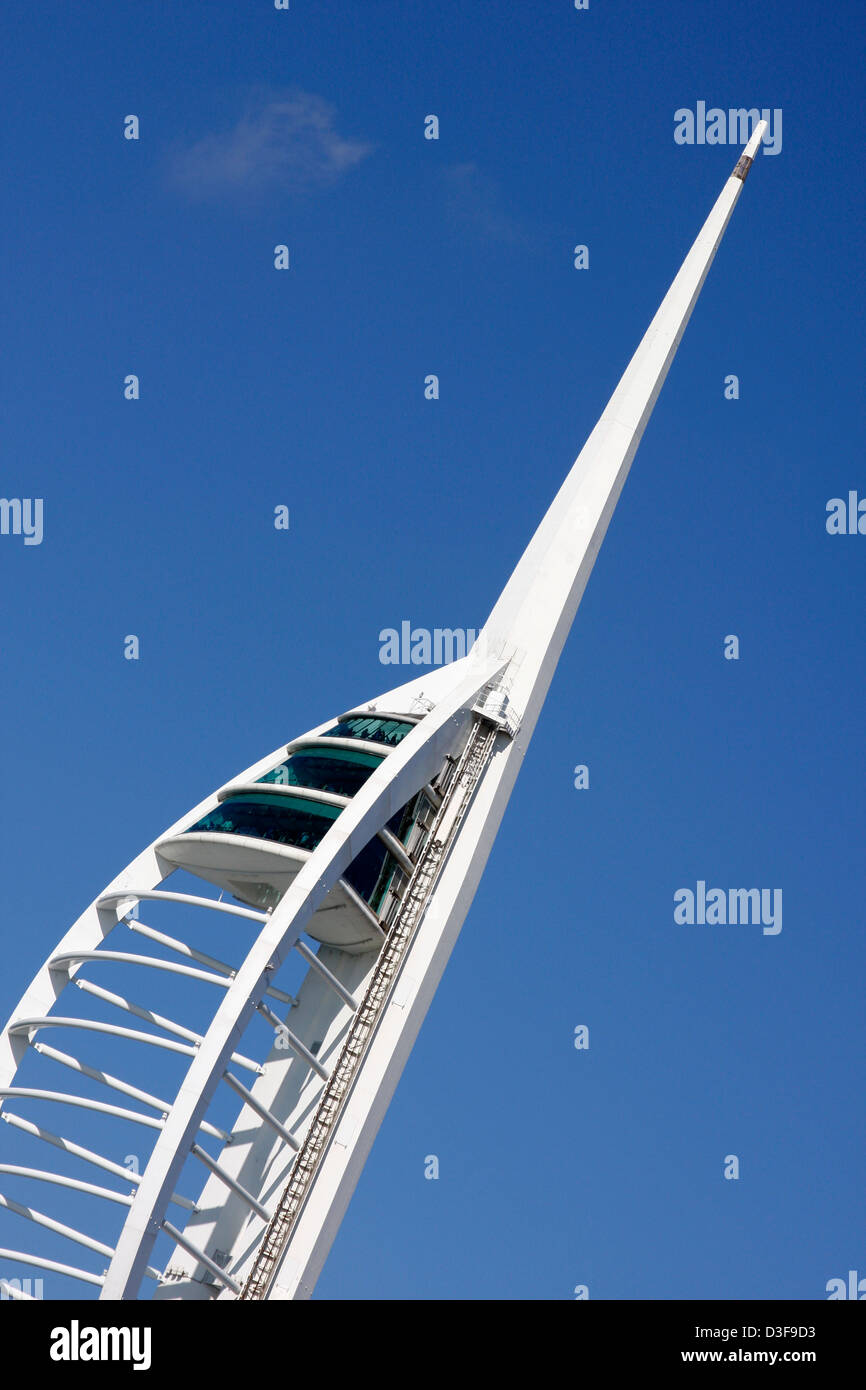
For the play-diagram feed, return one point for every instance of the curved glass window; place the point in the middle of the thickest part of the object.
(297, 821)
(286, 820)
(372, 728)
(339, 770)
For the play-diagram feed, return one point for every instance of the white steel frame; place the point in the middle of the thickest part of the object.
(252, 1234)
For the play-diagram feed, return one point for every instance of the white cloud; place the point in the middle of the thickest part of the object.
(283, 140)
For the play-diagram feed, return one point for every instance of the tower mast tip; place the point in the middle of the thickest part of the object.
(744, 163)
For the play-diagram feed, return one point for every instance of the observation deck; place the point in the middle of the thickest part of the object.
(255, 841)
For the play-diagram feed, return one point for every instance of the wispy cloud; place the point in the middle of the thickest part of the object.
(286, 140)
(474, 200)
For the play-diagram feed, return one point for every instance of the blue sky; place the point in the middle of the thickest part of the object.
(306, 388)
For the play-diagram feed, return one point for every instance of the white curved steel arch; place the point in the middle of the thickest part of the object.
(102, 915)
(139, 880)
(404, 770)
(415, 761)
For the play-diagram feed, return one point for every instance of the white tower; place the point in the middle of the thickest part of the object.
(368, 837)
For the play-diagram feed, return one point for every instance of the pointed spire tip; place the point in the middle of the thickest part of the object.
(755, 140)
(744, 163)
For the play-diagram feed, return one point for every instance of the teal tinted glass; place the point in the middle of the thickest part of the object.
(371, 728)
(301, 823)
(338, 770)
(286, 820)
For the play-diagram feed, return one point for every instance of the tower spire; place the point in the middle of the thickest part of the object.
(531, 619)
(307, 839)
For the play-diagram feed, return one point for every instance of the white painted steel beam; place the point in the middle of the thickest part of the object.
(58, 1180)
(158, 1020)
(38, 1262)
(87, 1155)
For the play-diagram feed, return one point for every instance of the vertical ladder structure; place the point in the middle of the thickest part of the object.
(446, 823)
(351, 854)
